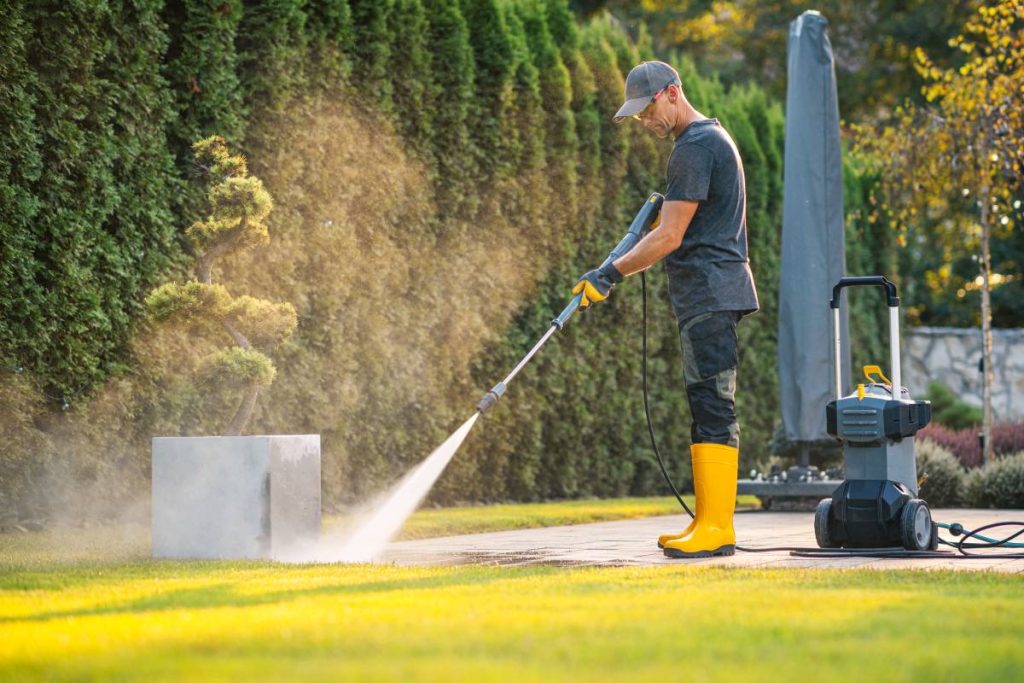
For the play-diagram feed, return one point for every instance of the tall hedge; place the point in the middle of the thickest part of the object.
(566, 35)
(443, 170)
(410, 80)
(560, 141)
(201, 70)
(449, 97)
(272, 44)
(21, 304)
(331, 42)
(92, 187)
(495, 136)
(870, 250)
(372, 48)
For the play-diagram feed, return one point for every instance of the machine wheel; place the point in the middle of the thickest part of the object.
(766, 503)
(916, 525)
(821, 516)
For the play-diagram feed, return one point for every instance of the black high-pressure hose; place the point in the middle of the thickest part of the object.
(962, 547)
(647, 404)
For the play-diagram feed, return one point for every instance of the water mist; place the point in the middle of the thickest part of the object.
(382, 521)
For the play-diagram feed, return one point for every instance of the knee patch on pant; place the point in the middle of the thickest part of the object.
(710, 358)
(709, 345)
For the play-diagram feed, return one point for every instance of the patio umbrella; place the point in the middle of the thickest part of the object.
(813, 254)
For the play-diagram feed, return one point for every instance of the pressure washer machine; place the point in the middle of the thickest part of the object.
(877, 505)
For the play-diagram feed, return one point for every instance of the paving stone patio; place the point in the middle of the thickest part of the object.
(633, 543)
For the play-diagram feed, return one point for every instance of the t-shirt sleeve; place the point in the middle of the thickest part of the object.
(689, 173)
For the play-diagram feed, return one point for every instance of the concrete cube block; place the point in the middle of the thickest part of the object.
(235, 497)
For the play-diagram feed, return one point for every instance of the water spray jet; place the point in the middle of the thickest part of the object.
(366, 542)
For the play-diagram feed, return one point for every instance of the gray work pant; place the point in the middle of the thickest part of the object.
(710, 359)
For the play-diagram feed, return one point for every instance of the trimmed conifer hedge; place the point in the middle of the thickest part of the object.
(442, 169)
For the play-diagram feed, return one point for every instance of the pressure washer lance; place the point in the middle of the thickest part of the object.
(640, 225)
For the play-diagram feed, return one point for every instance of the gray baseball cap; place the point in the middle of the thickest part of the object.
(645, 81)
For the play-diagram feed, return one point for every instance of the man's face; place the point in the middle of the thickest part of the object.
(656, 115)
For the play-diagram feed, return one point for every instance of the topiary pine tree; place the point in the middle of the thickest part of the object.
(239, 206)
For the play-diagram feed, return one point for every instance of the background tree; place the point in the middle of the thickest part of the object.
(959, 157)
(239, 206)
(743, 40)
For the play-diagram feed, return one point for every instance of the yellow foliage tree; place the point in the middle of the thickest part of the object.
(960, 156)
(239, 205)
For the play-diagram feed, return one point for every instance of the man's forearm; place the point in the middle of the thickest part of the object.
(656, 245)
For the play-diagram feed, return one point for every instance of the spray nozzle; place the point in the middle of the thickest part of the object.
(490, 398)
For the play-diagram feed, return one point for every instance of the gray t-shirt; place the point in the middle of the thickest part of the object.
(710, 271)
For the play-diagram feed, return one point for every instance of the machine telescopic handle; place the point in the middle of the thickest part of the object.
(869, 281)
(893, 301)
(640, 225)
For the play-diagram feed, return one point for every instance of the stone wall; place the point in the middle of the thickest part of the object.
(951, 355)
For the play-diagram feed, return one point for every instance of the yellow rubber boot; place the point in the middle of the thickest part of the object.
(665, 538)
(715, 469)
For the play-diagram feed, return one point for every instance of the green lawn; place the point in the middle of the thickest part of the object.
(168, 621)
(88, 606)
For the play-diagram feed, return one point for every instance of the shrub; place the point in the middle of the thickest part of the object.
(998, 484)
(961, 443)
(950, 410)
(940, 475)
(1007, 437)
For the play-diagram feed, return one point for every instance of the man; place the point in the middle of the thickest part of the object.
(702, 236)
